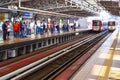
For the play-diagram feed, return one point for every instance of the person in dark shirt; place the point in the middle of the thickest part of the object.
(4, 29)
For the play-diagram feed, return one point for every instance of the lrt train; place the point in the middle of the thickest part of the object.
(111, 25)
(97, 25)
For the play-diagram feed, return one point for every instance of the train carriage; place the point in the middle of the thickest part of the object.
(111, 25)
(96, 25)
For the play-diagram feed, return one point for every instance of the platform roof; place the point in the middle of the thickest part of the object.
(70, 7)
(113, 6)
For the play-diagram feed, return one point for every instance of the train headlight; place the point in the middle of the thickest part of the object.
(113, 27)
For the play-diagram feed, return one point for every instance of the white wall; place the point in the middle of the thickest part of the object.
(83, 22)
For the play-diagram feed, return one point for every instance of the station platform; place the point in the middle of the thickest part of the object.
(13, 40)
(15, 47)
(104, 64)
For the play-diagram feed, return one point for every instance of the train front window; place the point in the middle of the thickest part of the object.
(96, 23)
(111, 23)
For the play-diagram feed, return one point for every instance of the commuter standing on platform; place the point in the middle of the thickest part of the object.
(9, 30)
(23, 30)
(28, 28)
(44, 27)
(67, 27)
(4, 29)
(74, 26)
(58, 27)
(52, 27)
(64, 28)
(41, 28)
(38, 27)
(32, 28)
(16, 28)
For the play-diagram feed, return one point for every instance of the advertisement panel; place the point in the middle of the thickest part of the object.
(2, 16)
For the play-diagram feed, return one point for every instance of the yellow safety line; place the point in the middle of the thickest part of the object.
(105, 70)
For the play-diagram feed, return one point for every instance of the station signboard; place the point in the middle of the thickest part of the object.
(28, 15)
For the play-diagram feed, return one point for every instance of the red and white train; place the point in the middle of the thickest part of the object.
(96, 25)
(111, 25)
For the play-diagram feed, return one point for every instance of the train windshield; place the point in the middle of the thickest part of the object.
(96, 23)
(112, 23)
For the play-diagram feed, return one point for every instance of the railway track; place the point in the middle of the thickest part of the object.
(18, 58)
(84, 49)
(21, 63)
(54, 64)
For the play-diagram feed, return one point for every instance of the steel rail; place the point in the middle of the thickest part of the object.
(22, 71)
